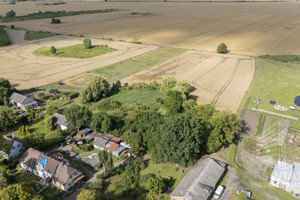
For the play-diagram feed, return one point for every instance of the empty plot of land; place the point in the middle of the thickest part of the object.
(213, 76)
(26, 70)
(247, 28)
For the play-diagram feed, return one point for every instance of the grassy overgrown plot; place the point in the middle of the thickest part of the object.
(51, 14)
(74, 51)
(36, 35)
(261, 123)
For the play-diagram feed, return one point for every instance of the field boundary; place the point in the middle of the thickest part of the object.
(273, 113)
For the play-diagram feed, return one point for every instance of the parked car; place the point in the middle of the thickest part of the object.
(247, 192)
(219, 191)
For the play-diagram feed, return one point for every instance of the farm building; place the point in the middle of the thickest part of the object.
(287, 177)
(23, 102)
(15, 150)
(200, 182)
(61, 121)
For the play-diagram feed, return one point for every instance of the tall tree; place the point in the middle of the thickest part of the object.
(95, 91)
(8, 118)
(16, 191)
(101, 122)
(87, 194)
(168, 84)
(49, 122)
(36, 140)
(5, 90)
(155, 185)
(78, 116)
(173, 101)
(106, 160)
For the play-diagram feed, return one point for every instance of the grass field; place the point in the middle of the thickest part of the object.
(36, 35)
(144, 97)
(74, 51)
(136, 64)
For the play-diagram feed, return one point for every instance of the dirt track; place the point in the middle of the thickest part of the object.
(25, 70)
(249, 28)
(218, 79)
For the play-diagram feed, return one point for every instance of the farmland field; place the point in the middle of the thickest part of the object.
(249, 28)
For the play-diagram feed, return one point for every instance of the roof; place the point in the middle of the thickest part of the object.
(101, 142)
(92, 160)
(51, 165)
(21, 99)
(295, 180)
(30, 157)
(283, 171)
(82, 133)
(61, 119)
(119, 149)
(113, 147)
(78, 178)
(63, 173)
(200, 181)
(116, 139)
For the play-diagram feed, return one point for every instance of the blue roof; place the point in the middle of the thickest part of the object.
(88, 129)
(44, 162)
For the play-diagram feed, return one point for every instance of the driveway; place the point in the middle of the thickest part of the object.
(232, 184)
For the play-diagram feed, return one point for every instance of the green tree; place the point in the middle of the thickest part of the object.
(41, 95)
(97, 185)
(222, 48)
(106, 160)
(49, 122)
(168, 84)
(87, 43)
(26, 130)
(8, 118)
(78, 116)
(11, 14)
(3, 182)
(36, 140)
(53, 50)
(95, 91)
(173, 101)
(184, 88)
(225, 126)
(101, 122)
(16, 191)
(51, 110)
(5, 90)
(155, 185)
(87, 194)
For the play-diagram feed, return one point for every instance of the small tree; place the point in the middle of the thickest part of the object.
(55, 21)
(222, 48)
(87, 43)
(53, 50)
(11, 14)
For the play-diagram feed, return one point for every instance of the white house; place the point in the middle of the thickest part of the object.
(22, 101)
(16, 148)
(60, 120)
(287, 177)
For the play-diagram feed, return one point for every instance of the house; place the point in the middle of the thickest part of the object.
(200, 182)
(83, 133)
(60, 120)
(22, 101)
(28, 160)
(119, 150)
(46, 166)
(15, 150)
(100, 143)
(287, 176)
(66, 177)
(92, 160)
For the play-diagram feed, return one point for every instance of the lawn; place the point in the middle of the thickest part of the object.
(272, 150)
(138, 63)
(144, 97)
(274, 127)
(75, 51)
(36, 35)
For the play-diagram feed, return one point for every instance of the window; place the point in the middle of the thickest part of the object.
(20, 150)
(18, 145)
(275, 182)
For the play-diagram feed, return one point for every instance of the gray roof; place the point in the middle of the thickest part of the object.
(61, 119)
(92, 160)
(101, 142)
(201, 180)
(295, 180)
(21, 99)
(119, 149)
(283, 171)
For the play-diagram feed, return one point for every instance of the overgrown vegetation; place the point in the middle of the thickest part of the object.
(53, 14)
(4, 39)
(36, 35)
(283, 58)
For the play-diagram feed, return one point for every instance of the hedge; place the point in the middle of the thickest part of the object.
(4, 39)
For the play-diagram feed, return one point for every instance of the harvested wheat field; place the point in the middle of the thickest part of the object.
(248, 28)
(25, 70)
(218, 79)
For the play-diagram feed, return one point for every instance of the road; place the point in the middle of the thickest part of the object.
(84, 186)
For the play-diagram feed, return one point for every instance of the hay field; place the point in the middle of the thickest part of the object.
(25, 70)
(218, 79)
(249, 28)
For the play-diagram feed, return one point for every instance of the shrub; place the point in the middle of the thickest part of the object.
(222, 48)
(87, 43)
(11, 14)
(55, 21)
(4, 39)
(53, 50)
(12, 26)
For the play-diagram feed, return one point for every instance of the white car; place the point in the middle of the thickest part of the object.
(219, 191)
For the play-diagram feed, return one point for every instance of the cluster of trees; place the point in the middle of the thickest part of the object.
(16, 191)
(11, 14)
(5, 88)
(8, 118)
(95, 91)
(4, 39)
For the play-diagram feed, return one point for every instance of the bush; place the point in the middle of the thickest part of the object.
(87, 43)
(4, 39)
(53, 50)
(55, 21)
(222, 48)
(12, 26)
(11, 14)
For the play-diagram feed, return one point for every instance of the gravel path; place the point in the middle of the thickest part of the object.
(233, 184)
(16, 36)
